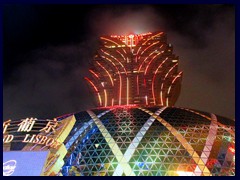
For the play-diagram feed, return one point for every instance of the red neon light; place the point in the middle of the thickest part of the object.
(106, 72)
(150, 63)
(152, 37)
(140, 67)
(95, 88)
(169, 89)
(114, 59)
(94, 73)
(154, 77)
(120, 79)
(232, 149)
(149, 47)
(121, 55)
(137, 86)
(109, 40)
(161, 94)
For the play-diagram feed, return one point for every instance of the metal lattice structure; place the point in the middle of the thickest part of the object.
(135, 69)
(156, 141)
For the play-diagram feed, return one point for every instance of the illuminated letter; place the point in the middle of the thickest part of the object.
(8, 138)
(51, 125)
(26, 125)
(5, 125)
(32, 138)
(43, 140)
(25, 139)
(37, 139)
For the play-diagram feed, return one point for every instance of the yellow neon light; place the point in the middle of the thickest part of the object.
(127, 91)
(169, 89)
(105, 94)
(112, 101)
(161, 94)
(149, 46)
(154, 99)
(114, 59)
(152, 37)
(120, 78)
(109, 40)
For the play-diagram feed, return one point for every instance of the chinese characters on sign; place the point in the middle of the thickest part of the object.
(27, 125)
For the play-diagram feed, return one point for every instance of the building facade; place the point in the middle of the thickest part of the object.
(135, 130)
(135, 69)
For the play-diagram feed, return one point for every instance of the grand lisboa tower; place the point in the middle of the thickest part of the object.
(135, 130)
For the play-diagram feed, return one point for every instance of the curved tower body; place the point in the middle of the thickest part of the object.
(135, 69)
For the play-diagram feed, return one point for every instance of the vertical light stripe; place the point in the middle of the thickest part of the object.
(127, 92)
(125, 167)
(82, 129)
(209, 142)
(135, 142)
(200, 164)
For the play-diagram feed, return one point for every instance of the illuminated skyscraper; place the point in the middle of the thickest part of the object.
(135, 69)
(134, 131)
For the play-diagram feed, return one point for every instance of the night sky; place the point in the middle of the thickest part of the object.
(47, 50)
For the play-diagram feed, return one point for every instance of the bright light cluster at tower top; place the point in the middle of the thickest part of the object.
(135, 69)
(131, 39)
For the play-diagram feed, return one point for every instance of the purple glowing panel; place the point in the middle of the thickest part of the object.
(19, 163)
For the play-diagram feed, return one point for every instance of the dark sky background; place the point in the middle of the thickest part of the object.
(47, 50)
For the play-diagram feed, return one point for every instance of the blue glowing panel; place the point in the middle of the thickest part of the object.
(19, 163)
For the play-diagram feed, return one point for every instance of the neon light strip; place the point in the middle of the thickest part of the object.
(120, 78)
(95, 88)
(106, 72)
(112, 101)
(127, 92)
(209, 143)
(169, 89)
(121, 55)
(137, 86)
(124, 51)
(149, 47)
(136, 58)
(154, 77)
(105, 93)
(184, 142)
(110, 40)
(152, 37)
(122, 161)
(114, 59)
(135, 142)
(94, 73)
(161, 94)
(146, 99)
(150, 63)
(144, 61)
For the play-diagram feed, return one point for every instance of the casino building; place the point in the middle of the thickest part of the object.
(135, 130)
